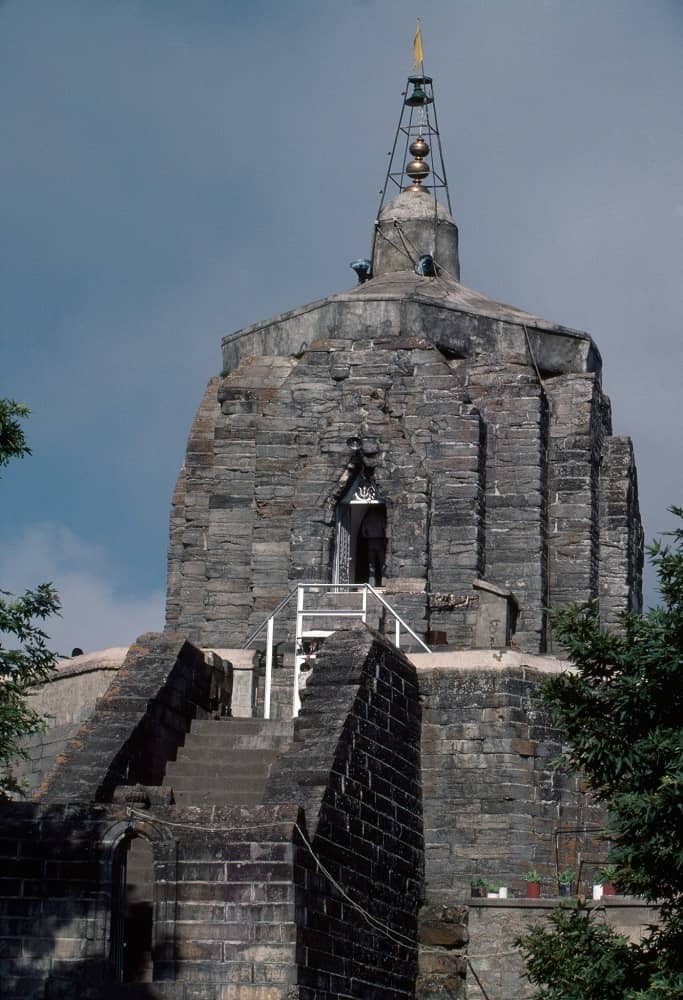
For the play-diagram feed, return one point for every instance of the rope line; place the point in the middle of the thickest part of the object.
(533, 359)
(196, 826)
(478, 980)
(391, 243)
(376, 924)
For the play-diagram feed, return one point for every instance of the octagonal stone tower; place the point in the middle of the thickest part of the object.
(482, 431)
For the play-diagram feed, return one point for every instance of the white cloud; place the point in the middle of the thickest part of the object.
(97, 611)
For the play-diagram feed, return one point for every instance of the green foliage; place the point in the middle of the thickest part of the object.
(12, 440)
(566, 877)
(622, 711)
(28, 661)
(606, 874)
(532, 876)
(20, 668)
(576, 958)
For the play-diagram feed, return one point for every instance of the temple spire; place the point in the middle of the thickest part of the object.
(414, 229)
(417, 136)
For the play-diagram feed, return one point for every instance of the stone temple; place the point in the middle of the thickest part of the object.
(289, 792)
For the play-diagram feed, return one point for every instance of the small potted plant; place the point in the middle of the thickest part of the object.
(478, 888)
(605, 878)
(492, 890)
(565, 880)
(533, 884)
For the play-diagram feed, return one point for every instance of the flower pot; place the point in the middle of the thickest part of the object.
(608, 889)
(565, 889)
(478, 892)
(533, 890)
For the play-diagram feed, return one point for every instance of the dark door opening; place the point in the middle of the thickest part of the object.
(132, 911)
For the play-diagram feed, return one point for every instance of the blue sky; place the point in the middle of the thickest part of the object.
(172, 171)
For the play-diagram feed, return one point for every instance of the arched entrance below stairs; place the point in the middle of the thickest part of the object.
(132, 910)
(354, 549)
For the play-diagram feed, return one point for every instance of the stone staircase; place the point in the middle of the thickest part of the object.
(226, 761)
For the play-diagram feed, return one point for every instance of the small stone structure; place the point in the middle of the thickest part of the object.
(177, 843)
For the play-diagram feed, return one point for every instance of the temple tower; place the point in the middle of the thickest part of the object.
(409, 440)
(481, 431)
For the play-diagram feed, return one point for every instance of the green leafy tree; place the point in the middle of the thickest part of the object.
(28, 661)
(622, 712)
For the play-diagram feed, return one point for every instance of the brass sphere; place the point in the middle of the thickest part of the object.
(419, 147)
(417, 169)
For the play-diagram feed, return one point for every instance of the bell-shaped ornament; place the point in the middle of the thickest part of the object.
(419, 96)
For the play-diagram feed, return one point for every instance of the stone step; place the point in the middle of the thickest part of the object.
(211, 743)
(226, 761)
(231, 797)
(218, 783)
(242, 726)
(177, 770)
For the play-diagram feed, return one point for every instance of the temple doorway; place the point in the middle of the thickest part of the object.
(360, 534)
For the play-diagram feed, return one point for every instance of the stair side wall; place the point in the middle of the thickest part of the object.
(138, 725)
(354, 765)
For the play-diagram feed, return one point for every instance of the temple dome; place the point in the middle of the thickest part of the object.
(412, 224)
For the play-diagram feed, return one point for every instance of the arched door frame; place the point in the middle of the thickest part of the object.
(164, 850)
(363, 492)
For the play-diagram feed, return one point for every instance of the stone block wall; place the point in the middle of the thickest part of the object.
(224, 902)
(621, 535)
(54, 914)
(486, 470)
(513, 407)
(493, 799)
(578, 426)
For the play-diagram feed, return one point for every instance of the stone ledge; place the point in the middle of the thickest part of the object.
(551, 902)
(496, 660)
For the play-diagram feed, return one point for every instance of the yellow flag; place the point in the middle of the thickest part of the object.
(418, 54)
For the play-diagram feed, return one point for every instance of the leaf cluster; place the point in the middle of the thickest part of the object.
(12, 440)
(622, 713)
(28, 664)
(29, 661)
(576, 958)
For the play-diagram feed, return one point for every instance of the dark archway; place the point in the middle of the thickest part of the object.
(133, 910)
(361, 504)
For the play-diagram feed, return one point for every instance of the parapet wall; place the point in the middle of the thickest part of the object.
(495, 804)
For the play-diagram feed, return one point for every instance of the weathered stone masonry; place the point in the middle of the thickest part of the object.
(180, 847)
(241, 910)
(485, 428)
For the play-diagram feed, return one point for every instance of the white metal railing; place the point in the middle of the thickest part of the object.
(301, 633)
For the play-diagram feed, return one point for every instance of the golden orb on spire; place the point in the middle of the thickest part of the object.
(417, 169)
(419, 148)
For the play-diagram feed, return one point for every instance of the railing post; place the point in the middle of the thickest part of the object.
(298, 643)
(397, 641)
(365, 604)
(269, 669)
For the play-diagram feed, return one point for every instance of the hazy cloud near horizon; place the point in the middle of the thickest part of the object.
(174, 171)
